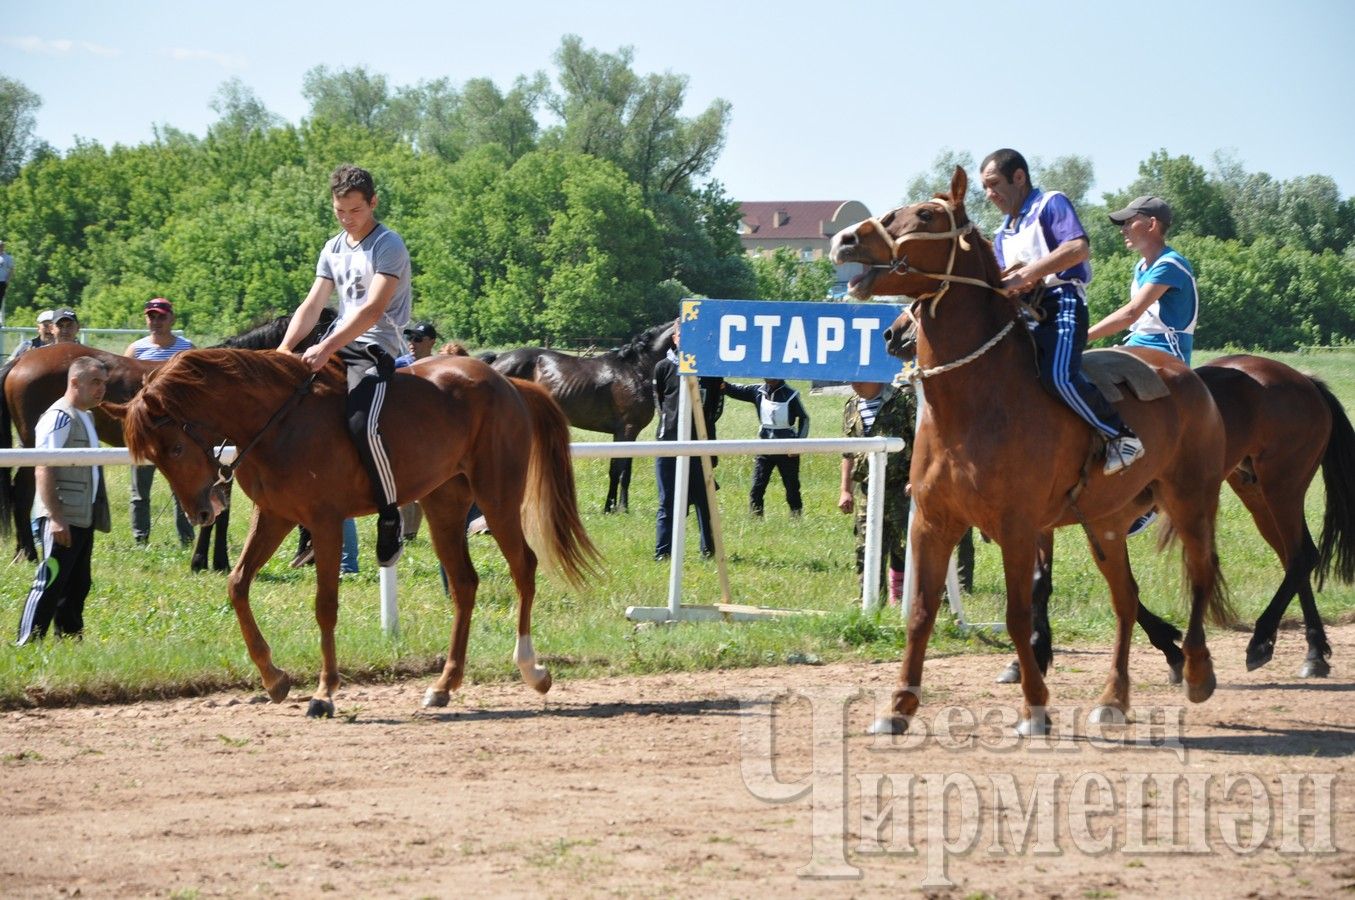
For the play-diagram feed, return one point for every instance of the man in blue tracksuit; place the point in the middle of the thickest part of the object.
(780, 415)
(1042, 244)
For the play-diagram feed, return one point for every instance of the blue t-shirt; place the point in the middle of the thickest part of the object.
(1169, 324)
(1057, 220)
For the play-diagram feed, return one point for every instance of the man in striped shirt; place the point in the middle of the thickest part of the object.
(161, 344)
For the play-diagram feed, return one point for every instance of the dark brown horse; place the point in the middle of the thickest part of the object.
(37, 379)
(612, 392)
(1281, 427)
(996, 451)
(480, 437)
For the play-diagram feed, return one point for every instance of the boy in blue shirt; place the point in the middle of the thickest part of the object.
(1164, 302)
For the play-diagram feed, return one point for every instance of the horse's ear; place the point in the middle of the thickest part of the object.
(959, 184)
(116, 410)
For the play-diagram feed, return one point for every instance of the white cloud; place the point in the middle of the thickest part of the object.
(225, 60)
(58, 46)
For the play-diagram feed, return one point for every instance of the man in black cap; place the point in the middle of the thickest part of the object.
(421, 339)
(67, 325)
(1164, 303)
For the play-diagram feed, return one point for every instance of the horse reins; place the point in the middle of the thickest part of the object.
(225, 472)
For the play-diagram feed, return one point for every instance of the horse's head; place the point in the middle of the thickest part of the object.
(909, 251)
(179, 449)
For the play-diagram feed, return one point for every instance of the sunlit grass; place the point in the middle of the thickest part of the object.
(154, 629)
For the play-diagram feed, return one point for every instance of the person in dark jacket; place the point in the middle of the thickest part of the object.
(667, 389)
(780, 415)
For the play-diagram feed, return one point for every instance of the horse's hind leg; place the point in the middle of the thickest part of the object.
(1163, 635)
(1113, 705)
(446, 509)
(1315, 664)
(266, 532)
(614, 493)
(623, 496)
(25, 487)
(505, 522)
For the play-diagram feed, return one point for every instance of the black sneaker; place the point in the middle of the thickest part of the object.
(389, 546)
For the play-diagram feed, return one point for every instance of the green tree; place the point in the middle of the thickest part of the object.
(613, 113)
(353, 96)
(783, 275)
(18, 109)
(241, 110)
(1199, 203)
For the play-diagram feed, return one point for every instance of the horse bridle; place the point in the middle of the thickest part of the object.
(225, 472)
(898, 260)
(898, 264)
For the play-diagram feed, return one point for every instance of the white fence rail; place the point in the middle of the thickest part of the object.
(877, 447)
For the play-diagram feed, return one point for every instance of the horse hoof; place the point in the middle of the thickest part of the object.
(1107, 715)
(1315, 668)
(1198, 693)
(320, 709)
(1259, 654)
(433, 697)
(888, 725)
(197, 565)
(1035, 726)
(543, 686)
(280, 689)
(1174, 673)
(1011, 674)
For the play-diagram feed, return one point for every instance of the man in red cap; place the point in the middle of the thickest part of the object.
(161, 344)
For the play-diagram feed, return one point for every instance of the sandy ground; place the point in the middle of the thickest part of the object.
(699, 785)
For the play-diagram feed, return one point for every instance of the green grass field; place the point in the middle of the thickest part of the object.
(153, 629)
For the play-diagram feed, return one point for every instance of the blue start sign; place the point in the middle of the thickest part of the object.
(781, 339)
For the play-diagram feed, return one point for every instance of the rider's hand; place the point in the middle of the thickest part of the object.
(315, 357)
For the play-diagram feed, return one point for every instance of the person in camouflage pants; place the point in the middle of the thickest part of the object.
(880, 410)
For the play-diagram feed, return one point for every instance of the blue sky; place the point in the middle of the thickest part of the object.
(838, 100)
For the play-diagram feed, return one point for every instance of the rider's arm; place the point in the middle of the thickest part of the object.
(1064, 256)
(1128, 314)
(308, 313)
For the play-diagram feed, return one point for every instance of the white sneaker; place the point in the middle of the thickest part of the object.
(1142, 522)
(1122, 452)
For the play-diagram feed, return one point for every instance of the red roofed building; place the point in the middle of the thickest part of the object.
(805, 226)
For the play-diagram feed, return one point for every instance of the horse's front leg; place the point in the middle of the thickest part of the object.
(1019, 555)
(1042, 591)
(266, 532)
(931, 555)
(327, 539)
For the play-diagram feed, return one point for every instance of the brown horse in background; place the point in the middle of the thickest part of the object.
(37, 379)
(996, 451)
(1281, 427)
(612, 392)
(480, 437)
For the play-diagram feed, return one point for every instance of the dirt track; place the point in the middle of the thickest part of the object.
(660, 786)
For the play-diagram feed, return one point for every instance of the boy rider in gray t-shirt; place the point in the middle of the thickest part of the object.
(369, 266)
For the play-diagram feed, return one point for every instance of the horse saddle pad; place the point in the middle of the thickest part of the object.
(1108, 369)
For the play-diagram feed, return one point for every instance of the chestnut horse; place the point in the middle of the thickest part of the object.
(996, 451)
(612, 392)
(1281, 427)
(479, 437)
(37, 379)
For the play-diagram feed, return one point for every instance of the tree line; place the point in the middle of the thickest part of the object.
(562, 208)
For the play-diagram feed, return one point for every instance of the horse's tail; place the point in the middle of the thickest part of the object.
(6, 442)
(1218, 604)
(550, 510)
(1336, 552)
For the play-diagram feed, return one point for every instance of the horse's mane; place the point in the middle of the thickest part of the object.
(197, 381)
(267, 335)
(640, 345)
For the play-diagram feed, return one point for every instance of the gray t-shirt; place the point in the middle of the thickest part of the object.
(352, 269)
